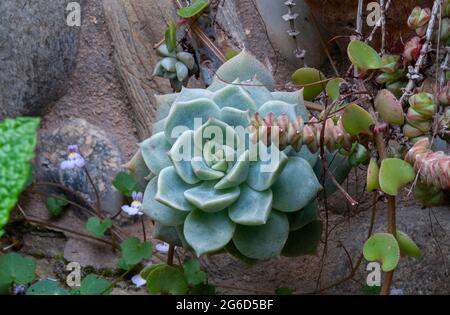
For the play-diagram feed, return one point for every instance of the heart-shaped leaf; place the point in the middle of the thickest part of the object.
(194, 275)
(15, 268)
(55, 206)
(208, 232)
(94, 285)
(263, 241)
(195, 8)
(308, 77)
(125, 183)
(382, 247)
(389, 108)
(166, 279)
(356, 120)
(134, 251)
(363, 56)
(98, 227)
(372, 176)
(407, 245)
(394, 175)
(46, 287)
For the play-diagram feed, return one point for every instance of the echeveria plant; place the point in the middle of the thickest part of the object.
(211, 188)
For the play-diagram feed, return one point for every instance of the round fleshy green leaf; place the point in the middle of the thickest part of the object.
(209, 199)
(159, 212)
(296, 186)
(307, 77)
(363, 56)
(244, 67)
(154, 151)
(372, 176)
(263, 241)
(252, 208)
(166, 279)
(301, 218)
(382, 247)
(333, 88)
(394, 175)
(236, 97)
(303, 241)
(278, 108)
(188, 114)
(46, 287)
(389, 108)
(208, 232)
(356, 120)
(407, 245)
(181, 154)
(171, 190)
(262, 174)
(238, 173)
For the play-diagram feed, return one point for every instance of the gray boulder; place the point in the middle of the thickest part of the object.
(37, 54)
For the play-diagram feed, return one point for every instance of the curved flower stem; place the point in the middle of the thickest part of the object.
(144, 233)
(97, 195)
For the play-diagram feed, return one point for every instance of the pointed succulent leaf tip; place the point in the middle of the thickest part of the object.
(171, 190)
(154, 152)
(252, 207)
(187, 59)
(303, 241)
(363, 56)
(407, 245)
(245, 67)
(333, 88)
(394, 175)
(208, 232)
(237, 174)
(182, 71)
(278, 108)
(169, 63)
(236, 97)
(263, 241)
(235, 117)
(423, 105)
(356, 120)
(308, 77)
(295, 98)
(296, 173)
(389, 108)
(181, 155)
(382, 247)
(372, 176)
(158, 211)
(209, 199)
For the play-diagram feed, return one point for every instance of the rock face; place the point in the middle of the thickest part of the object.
(37, 54)
(103, 161)
(338, 17)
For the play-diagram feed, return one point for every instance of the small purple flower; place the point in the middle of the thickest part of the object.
(138, 281)
(162, 247)
(74, 159)
(135, 207)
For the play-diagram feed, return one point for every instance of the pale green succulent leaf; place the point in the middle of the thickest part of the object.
(294, 98)
(181, 154)
(394, 175)
(171, 190)
(235, 117)
(209, 199)
(203, 171)
(363, 56)
(301, 218)
(163, 103)
(382, 247)
(154, 151)
(278, 108)
(407, 245)
(263, 241)
(305, 154)
(187, 59)
(237, 174)
(311, 79)
(303, 241)
(236, 97)
(182, 71)
(208, 232)
(169, 63)
(167, 234)
(252, 208)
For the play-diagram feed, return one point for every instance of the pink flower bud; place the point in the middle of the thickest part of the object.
(412, 49)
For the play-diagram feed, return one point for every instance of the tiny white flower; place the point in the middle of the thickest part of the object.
(162, 247)
(74, 159)
(135, 207)
(138, 281)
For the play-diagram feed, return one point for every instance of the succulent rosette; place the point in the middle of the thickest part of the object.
(211, 188)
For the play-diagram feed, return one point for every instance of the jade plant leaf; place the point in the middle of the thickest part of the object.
(297, 173)
(303, 241)
(389, 108)
(17, 143)
(252, 208)
(159, 212)
(194, 275)
(15, 268)
(134, 251)
(394, 175)
(208, 232)
(170, 37)
(126, 184)
(372, 176)
(94, 285)
(209, 199)
(356, 120)
(382, 247)
(407, 245)
(98, 227)
(195, 8)
(308, 77)
(46, 287)
(263, 241)
(333, 88)
(163, 279)
(363, 56)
